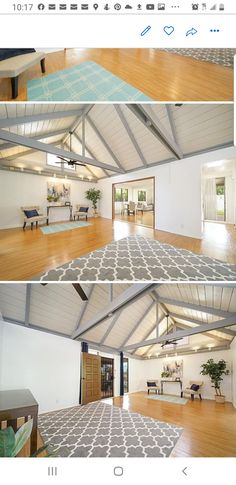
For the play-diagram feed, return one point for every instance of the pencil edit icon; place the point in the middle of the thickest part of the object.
(146, 30)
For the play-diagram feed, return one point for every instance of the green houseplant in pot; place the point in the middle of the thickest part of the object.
(216, 371)
(94, 195)
(11, 443)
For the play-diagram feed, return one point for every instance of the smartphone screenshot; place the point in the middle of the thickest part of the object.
(117, 242)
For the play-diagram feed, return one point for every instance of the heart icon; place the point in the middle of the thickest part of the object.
(169, 29)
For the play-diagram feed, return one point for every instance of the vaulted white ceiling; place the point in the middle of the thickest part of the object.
(126, 316)
(125, 137)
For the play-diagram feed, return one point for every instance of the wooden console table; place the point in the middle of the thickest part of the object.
(173, 382)
(20, 404)
(70, 207)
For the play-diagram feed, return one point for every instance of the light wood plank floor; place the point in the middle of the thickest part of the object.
(159, 74)
(209, 428)
(25, 254)
(145, 219)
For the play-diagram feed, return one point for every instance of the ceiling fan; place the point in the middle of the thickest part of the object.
(77, 288)
(70, 161)
(169, 341)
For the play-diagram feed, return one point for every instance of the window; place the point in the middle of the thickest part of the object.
(142, 195)
(121, 195)
(53, 160)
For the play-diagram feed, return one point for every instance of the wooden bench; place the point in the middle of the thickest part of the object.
(14, 66)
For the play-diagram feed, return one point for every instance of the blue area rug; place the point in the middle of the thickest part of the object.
(65, 226)
(85, 82)
(166, 398)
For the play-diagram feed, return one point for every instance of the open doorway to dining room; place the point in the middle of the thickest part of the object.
(134, 201)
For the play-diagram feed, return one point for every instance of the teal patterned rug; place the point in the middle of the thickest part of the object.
(85, 82)
(65, 226)
(167, 398)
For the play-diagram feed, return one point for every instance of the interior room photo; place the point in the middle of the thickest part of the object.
(121, 74)
(120, 370)
(74, 179)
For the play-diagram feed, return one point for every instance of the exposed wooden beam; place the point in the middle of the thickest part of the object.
(207, 334)
(134, 292)
(171, 123)
(193, 306)
(44, 147)
(6, 146)
(54, 115)
(91, 155)
(186, 333)
(27, 303)
(106, 348)
(184, 318)
(111, 326)
(34, 327)
(84, 306)
(108, 148)
(156, 128)
(131, 333)
(130, 134)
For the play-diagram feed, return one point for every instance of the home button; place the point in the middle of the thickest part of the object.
(118, 471)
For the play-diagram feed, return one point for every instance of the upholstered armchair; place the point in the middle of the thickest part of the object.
(32, 214)
(194, 389)
(152, 385)
(81, 211)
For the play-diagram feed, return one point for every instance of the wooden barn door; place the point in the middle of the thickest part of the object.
(91, 378)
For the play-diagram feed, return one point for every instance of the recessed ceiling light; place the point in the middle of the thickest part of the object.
(196, 348)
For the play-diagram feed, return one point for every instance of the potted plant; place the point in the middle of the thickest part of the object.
(216, 371)
(11, 443)
(94, 195)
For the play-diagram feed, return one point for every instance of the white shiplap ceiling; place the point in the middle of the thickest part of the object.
(193, 127)
(60, 310)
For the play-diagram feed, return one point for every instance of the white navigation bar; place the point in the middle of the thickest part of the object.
(120, 31)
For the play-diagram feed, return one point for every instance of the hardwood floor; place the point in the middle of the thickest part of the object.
(146, 219)
(146, 69)
(25, 254)
(209, 428)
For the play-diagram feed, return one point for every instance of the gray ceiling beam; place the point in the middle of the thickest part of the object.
(75, 125)
(6, 146)
(172, 123)
(161, 318)
(55, 115)
(129, 296)
(108, 148)
(106, 348)
(90, 153)
(34, 327)
(84, 306)
(44, 147)
(176, 316)
(193, 306)
(156, 128)
(207, 334)
(27, 303)
(130, 134)
(111, 326)
(138, 323)
(186, 333)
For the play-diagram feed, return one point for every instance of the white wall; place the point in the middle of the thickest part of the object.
(191, 370)
(22, 189)
(233, 348)
(46, 364)
(178, 196)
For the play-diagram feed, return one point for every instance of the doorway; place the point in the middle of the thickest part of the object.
(134, 201)
(220, 199)
(107, 377)
(126, 374)
(91, 378)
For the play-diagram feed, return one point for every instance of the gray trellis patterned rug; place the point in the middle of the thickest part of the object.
(224, 57)
(101, 430)
(137, 258)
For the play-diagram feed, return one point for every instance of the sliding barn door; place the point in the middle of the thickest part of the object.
(91, 378)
